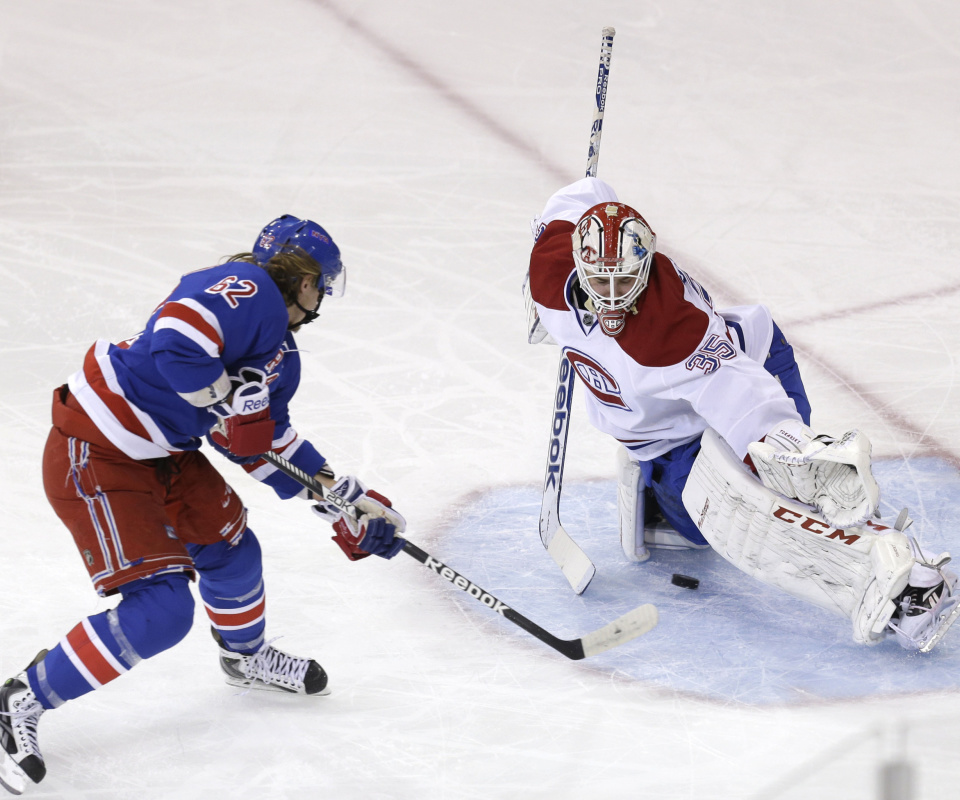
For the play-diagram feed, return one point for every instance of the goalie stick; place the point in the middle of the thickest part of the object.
(576, 565)
(632, 624)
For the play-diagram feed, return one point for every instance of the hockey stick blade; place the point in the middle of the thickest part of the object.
(621, 630)
(575, 565)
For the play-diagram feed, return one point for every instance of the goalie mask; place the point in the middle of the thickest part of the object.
(613, 248)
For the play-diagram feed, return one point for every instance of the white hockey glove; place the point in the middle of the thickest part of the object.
(375, 528)
(832, 475)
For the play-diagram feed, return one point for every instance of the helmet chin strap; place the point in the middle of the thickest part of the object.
(308, 315)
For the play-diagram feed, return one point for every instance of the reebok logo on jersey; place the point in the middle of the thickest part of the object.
(465, 585)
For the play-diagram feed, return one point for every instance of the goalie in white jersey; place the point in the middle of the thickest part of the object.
(703, 401)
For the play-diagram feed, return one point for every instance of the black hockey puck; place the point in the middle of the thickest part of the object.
(685, 581)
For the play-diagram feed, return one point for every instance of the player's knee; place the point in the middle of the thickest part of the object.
(241, 564)
(156, 613)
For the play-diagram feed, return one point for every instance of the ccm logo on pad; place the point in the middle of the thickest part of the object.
(813, 525)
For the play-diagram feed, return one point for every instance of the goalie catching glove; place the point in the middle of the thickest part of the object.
(244, 426)
(832, 475)
(374, 529)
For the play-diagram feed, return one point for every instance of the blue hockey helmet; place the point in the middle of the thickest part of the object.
(290, 231)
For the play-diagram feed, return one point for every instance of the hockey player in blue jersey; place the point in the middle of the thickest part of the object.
(122, 468)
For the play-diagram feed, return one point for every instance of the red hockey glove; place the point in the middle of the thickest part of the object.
(368, 536)
(374, 533)
(245, 427)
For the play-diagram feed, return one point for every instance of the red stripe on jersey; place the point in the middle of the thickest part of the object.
(192, 318)
(667, 328)
(117, 404)
(224, 618)
(237, 526)
(88, 652)
(551, 263)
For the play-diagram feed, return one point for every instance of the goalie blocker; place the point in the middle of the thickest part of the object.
(875, 576)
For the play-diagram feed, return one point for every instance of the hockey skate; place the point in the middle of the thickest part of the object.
(271, 669)
(658, 534)
(20, 757)
(929, 605)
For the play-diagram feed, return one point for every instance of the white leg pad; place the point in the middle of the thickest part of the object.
(892, 562)
(788, 545)
(630, 504)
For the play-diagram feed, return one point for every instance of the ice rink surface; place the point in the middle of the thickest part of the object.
(805, 155)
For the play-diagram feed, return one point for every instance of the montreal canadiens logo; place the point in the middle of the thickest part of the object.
(597, 379)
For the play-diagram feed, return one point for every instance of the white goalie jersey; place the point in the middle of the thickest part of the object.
(677, 368)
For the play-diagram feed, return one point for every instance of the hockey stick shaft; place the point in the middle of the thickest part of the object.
(569, 556)
(621, 630)
(603, 76)
(575, 565)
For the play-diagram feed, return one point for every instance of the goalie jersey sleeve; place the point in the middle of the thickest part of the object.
(215, 322)
(674, 371)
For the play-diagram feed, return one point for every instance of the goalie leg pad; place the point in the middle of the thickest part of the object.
(892, 561)
(786, 544)
(630, 503)
(638, 534)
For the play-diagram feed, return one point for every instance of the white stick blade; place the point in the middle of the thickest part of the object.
(631, 625)
(576, 565)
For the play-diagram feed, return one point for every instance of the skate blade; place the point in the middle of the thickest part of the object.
(663, 537)
(270, 687)
(12, 778)
(947, 621)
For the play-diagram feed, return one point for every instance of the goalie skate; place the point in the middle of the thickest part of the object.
(929, 606)
(272, 670)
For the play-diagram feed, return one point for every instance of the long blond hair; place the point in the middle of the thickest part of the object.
(287, 268)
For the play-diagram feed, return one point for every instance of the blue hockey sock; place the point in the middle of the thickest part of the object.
(153, 615)
(231, 585)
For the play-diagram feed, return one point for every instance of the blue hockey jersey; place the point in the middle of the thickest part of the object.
(216, 321)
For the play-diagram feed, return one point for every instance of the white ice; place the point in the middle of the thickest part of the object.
(805, 155)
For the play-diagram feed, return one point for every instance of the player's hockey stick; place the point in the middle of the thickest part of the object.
(576, 565)
(632, 624)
